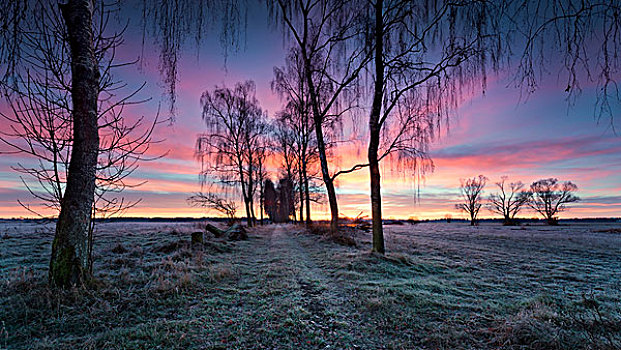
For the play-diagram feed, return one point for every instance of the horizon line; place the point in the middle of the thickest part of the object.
(221, 218)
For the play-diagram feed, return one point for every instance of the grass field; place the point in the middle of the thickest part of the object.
(441, 286)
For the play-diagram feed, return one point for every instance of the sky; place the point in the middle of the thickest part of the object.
(494, 134)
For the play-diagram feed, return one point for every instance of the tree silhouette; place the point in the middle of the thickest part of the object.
(270, 202)
(424, 55)
(286, 146)
(280, 202)
(263, 150)
(39, 123)
(549, 197)
(290, 84)
(472, 196)
(69, 31)
(229, 149)
(286, 200)
(318, 30)
(509, 200)
(210, 200)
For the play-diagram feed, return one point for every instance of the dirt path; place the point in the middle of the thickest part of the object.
(289, 268)
(286, 248)
(286, 291)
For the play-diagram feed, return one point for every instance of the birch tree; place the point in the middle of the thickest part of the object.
(549, 198)
(289, 83)
(319, 31)
(509, 200)
(472, 197)
(229, 148)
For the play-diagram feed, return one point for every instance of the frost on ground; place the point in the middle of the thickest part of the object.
(441, 286)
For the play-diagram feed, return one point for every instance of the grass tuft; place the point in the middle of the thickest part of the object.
(119, 249)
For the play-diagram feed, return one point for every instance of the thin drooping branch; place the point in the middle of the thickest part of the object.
(171, 23)
(578, 40)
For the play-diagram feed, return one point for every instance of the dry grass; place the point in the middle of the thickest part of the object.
(441, 286)
(610, 230)
(345, 235)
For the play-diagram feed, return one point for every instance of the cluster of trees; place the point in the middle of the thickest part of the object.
(402, 64)
(548, 197)
(235, 153)
(279, 201)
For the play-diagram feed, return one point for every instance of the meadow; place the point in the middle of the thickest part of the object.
(440, 286)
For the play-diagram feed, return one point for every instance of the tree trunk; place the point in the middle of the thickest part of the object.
(307, 195)
(334, 210)
(508, 221)
(374, 130)
(318, 118)
(376, 203)
(250, 192)
(301, 194)
(260, 179)
(244, 190)
(252, 215)
(323, 159)
(91, 231)
(248, 212)
(261, 200)
(69, 261)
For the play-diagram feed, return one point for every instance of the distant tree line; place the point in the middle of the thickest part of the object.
(547, 197)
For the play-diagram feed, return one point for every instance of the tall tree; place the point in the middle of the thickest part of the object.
(229, 148)
(290, 84)
(69, 262)
(320, 29)
(549, 197)
(263, 151)
(39, 121)
(509, 200)
(472, 197)
(424, 54)
(22, 18)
